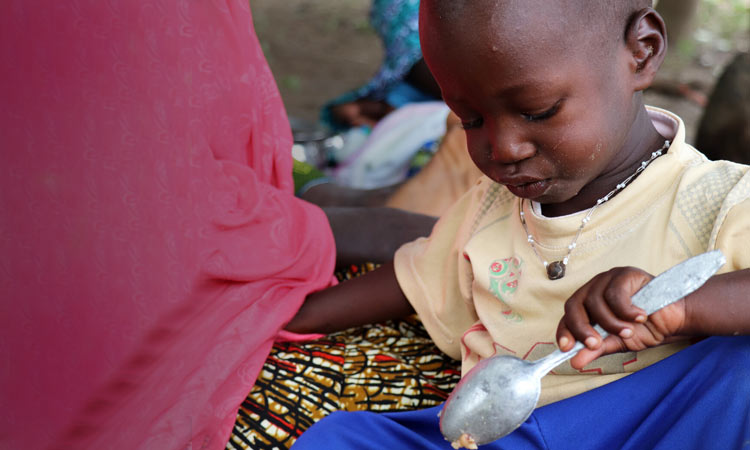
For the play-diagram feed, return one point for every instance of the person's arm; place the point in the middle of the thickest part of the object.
(374, 234)
(373, 297)
(332, 194)
(719, 307)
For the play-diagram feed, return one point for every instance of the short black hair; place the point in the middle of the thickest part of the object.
(607, 20)
(610, 14)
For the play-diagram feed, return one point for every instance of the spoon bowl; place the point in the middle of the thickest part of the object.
(473, 409)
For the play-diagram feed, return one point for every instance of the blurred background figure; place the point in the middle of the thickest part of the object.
(383, 132)
(402, 78)
(724, 131)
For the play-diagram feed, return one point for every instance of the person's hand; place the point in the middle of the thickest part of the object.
(362, 112)
(606, 300)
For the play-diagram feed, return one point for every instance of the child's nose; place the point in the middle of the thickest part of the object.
(508, 146)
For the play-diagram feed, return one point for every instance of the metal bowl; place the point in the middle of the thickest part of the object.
(313, 143)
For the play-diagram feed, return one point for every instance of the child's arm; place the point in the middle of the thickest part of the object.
(720, 307)
(373, 297)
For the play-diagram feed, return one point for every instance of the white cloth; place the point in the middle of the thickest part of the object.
(385, 156)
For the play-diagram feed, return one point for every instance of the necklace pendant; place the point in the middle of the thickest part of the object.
(556, 270)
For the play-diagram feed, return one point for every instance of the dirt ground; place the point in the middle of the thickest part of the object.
(318, 49)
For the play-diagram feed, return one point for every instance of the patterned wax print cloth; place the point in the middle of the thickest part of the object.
(392, 366)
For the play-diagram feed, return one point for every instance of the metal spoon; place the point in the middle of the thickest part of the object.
(500, 393)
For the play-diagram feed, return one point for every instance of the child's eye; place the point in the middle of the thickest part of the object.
(476, 123)
(544, 115)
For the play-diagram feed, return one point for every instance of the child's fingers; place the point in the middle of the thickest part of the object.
(600, 313)
(577, 320)
(611, 344)
(616, 313)
(618, 294)
(565, 339)
(605, 300)
(584, 357)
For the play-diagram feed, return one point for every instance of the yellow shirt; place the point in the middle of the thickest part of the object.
(480, 289)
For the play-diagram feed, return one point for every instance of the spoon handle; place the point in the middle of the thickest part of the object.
(672, 285)
(554, 359)
(678, 281)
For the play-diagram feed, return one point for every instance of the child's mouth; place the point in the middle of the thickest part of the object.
(530, 190)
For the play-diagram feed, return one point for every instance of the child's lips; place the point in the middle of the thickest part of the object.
(530, 190)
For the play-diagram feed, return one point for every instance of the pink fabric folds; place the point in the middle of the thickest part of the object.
(151, 247)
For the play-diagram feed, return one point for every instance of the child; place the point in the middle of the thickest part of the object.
(587, 193)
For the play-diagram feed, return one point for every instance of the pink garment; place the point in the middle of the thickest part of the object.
(151, 245)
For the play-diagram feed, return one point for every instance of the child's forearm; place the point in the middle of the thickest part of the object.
(373, 297)
(720, 307)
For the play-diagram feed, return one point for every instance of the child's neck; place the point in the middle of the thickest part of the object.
(642, 140)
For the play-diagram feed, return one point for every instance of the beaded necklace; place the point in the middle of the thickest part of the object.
(556, 269)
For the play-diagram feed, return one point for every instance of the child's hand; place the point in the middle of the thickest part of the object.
(606, 300)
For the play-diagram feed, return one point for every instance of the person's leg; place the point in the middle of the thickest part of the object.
(698, 398)
(412, 430)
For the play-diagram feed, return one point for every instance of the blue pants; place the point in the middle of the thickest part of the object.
(698, 398)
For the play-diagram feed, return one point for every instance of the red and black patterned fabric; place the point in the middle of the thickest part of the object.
(392, 366)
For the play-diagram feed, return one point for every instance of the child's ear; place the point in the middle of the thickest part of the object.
(646, 39)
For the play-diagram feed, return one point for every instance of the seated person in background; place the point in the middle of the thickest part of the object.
(431, 191)
(724, 131)
(403, 76)
(587, 193)
(402, 79)
(368, 107)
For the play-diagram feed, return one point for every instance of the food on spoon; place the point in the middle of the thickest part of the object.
(464, 441)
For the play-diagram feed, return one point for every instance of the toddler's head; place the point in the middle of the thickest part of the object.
(548, 90)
